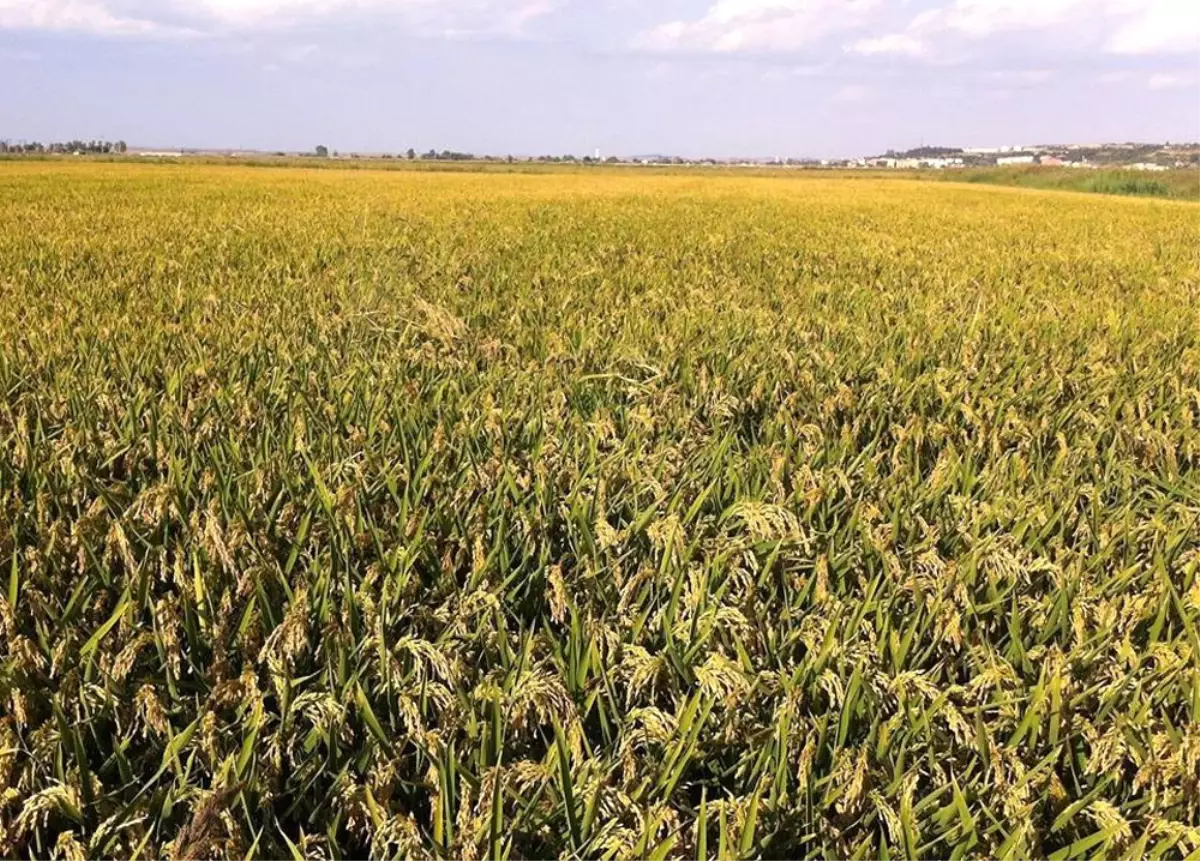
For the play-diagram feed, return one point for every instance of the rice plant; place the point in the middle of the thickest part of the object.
(594, 516)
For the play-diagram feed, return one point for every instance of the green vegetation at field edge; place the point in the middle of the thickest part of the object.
(1177, 183)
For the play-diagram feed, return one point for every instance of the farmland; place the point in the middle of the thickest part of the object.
(446, 515)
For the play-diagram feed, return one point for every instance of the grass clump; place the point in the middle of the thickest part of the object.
(1130, 185)
(1178, 183)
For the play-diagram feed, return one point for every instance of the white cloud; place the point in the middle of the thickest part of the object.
(1021, 77)
(1163, 81)
(949, 29)
(1159, 26)
(788, 73)
(88, 15)
(981, 18)
(817, 30)
(760, 26)
(1107, 26)
(850, 94)
(893, 43)
(124, 17)
(299, 53)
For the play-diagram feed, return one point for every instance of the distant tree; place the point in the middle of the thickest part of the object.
(411, 154)
(120, 146)
(322, 151)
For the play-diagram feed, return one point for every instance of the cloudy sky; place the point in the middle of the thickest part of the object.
(692, 77)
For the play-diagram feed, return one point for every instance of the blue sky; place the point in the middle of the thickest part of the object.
(690, 77)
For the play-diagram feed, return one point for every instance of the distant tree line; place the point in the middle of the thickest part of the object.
(322, 151)
(587, 159)
(94, 147)
(448, 155)
(927, 152)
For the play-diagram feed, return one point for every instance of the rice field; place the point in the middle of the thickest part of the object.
(423, 515)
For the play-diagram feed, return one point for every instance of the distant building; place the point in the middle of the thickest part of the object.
(1050, 161)
(1146, 165)
(941, 163)
(1015, 159)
